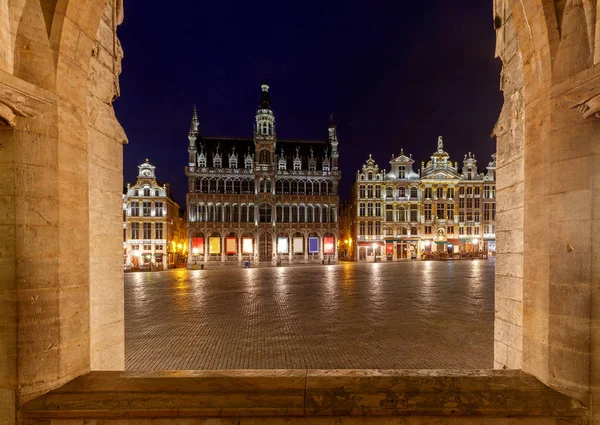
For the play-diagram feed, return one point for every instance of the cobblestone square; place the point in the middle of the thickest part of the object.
(349, 316)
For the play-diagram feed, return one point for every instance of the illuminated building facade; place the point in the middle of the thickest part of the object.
(403, 214)
(154, 231)
(262, 199)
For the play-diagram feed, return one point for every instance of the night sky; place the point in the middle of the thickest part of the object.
(395, 74)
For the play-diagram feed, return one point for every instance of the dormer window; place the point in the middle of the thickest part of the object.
(282, 165)
(326, 166)
(248, 162)
(402, 172)
(370, 176)
(233, 161)
(146, 191)
(297, 164)
(312, 165)
(202, 160)
(217, 162)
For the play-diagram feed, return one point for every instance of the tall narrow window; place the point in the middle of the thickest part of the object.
(147, 231)
(158, 230)
(135, 230)
(158, 209)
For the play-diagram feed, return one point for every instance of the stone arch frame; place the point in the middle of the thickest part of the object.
(195, 234)
(549, 102)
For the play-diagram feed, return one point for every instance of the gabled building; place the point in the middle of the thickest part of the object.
(262, 199)
(403, 214)
(154, 231)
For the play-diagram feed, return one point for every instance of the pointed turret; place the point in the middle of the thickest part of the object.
(265, 120)
(192, 137)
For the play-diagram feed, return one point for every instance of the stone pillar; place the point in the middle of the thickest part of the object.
(306, 248)
(290, 249)
(222, 248)
(239, 249)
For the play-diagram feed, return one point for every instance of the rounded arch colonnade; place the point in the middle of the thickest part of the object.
(59, 67)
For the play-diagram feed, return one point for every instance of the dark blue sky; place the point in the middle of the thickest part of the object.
(396, 74)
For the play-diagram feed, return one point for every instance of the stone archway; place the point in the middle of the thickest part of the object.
(61, 145)
(62, 256)
(547, 144)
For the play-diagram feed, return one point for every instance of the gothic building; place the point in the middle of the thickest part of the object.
(402, 214)
(262, 199)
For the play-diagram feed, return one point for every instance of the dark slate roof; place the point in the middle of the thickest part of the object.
(243, 146)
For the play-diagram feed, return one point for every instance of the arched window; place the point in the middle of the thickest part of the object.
(413, 192)
(325, 218)
(227, 213)
(264, 157)
(370, 176)
(211, 212)
(404, 231)
(389, 192)
(294, 190)
(244, 215)
(267, 186)
(235, 213)
(285, 214)
(440, 192)
(332, 212)
(251, 210)
(318, 214)
(309, 188)
(279, 187)
(413, 231)
(265, 213)
(294, 213)
(197, 185)
(279, 214)
(402, 192)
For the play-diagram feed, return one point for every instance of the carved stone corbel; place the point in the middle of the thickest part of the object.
(19, 98)
(583, 94)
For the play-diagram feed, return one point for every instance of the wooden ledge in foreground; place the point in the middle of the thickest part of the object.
(302, 393)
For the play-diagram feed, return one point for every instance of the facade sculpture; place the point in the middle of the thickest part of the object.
(402, 214)
(263, 199)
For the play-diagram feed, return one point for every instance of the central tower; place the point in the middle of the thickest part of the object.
(264, 131)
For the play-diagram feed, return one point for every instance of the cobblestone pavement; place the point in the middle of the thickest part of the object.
(359, 316)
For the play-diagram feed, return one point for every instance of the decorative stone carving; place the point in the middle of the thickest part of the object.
(585, 97)
(23, 99)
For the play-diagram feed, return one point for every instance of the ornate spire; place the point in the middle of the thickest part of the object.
(265, 99)
(194, 123)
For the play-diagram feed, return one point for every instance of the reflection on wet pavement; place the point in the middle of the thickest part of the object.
(436, 315)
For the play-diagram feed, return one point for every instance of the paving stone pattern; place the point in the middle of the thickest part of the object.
(411, 315)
